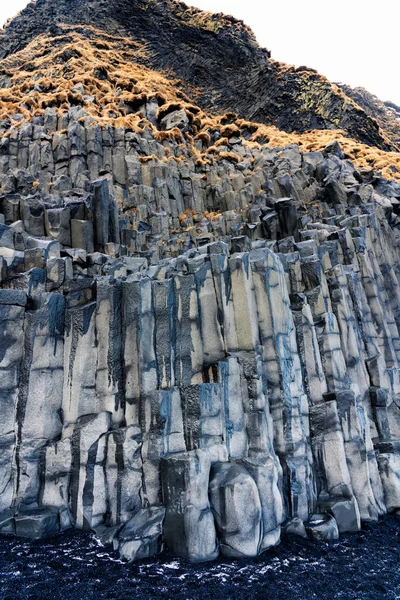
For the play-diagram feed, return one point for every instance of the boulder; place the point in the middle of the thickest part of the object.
(322, 527)
(265, 473)
(177, 118)
(236, 507)
(141, 537)
(295, 526)
(37, 523)
(347, 515)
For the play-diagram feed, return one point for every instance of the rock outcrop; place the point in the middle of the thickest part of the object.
(387, 114)
(196, 348)
(217, 55)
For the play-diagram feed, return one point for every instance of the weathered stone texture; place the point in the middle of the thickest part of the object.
(172, 377)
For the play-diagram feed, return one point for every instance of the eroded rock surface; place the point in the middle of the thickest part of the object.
(255, 351)
(193, 352)
(217, 54)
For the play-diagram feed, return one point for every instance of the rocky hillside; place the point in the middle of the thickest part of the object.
(199, 313)
(387, 114)
(216, 55)
(105, 79)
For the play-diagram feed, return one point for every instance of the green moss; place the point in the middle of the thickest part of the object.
(202, 22)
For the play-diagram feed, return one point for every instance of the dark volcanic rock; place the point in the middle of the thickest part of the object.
(199, 334)
(361, 566)
(387, 114)
(218, 55)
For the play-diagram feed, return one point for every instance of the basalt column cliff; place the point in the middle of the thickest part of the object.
(199, 309)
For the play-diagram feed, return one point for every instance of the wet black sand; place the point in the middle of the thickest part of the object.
(74, 566)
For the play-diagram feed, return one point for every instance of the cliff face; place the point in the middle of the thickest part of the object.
(199, 333)
(387, 114)
(217, 55)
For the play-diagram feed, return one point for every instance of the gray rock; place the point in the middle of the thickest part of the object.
(177, 118)
(37, 524)
(261, 342)
(101, 213)
(236, 507)
(123, 473)
(141, 537)
(13, 297)
(82, 235)
(185, 479)
(6, 237)
(58, 224)
(10, 207)
(295, 526)
(50, 119)
(346, 514)
(266, 474)
(322, 527)
(7, 522)
(33, 217)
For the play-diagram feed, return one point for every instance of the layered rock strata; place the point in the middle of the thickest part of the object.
(194, 357)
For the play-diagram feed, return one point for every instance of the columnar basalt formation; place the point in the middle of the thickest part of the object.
(194, 352)
(221, 375)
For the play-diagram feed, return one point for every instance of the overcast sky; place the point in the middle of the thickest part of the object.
(344, 39)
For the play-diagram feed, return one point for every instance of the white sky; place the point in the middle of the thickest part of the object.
(350, 41)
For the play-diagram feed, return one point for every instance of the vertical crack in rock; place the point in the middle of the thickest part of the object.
(199, 333)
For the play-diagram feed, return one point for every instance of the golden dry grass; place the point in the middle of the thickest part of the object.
(117, 85)
(110, 69)
(172, 134)
(363, 156)
(231, 156)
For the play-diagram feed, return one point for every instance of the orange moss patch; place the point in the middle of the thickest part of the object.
(117, 85)
(231, 156)
(146, 159)
(222, 142)
(203, 136)
(212, 216)
(230, 130)
(313, 141)
(172, 134)
(211, 22)
(111, 69)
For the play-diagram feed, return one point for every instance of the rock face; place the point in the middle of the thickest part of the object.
(218, 55)
(193, 353)
(387, 114)
(240, 375)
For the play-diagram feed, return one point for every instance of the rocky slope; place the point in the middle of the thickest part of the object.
(199, 321)
(105, 77)
(387, 114)
(217, 55)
